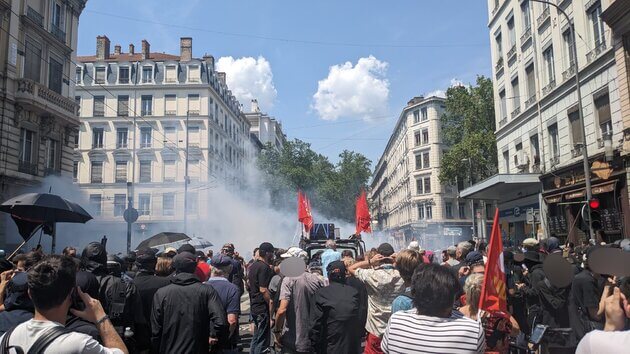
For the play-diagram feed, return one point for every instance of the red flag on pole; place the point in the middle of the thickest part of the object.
(364, 220)
(493, 296)
(304, 211)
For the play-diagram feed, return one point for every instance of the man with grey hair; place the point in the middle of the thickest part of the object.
(462, 250)
(330, 255)
(452, 261)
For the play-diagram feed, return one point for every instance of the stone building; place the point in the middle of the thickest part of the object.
(267, 129)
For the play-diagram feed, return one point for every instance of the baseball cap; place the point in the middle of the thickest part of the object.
(266, 247)
(530, 242)
(185, 262)
(221, 260)
(186, 248)
(146, 255)
(474, 257)
(336, 270)
(95, 252)
(295, 252)
(385, 249)
(170, 251)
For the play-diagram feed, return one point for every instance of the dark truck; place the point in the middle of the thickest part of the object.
(320, 233)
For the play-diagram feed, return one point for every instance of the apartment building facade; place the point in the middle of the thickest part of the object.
(539, 124)
(267, 129)
(408, 201)
(150, 119)
(38, 123)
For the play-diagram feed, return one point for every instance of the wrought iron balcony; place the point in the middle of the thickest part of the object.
(499, 67)
(526, 36)
(516, 112)
(530, 101)
(35, 16)
(503, 121)
(596, 52)
(569, 72)
(511, 52)
(52, 171)
(58, 33)
(42, 98)
(544, 16)
(549, 87)
(27, 167)
(555, 160)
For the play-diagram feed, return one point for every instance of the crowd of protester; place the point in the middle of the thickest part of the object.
(187, 301)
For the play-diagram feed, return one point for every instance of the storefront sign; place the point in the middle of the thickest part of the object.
(574, 195)
(517, 211)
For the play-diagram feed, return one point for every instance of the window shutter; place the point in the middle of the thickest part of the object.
(170, 171)
(171, 105)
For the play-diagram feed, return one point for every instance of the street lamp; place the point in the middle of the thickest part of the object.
(472, 201)
(587, 175)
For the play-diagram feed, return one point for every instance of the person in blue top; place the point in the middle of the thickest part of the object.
(406, 263)
(330, 255)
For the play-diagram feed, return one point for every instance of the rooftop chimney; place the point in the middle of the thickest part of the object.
(209, 59)
(146, 49)
(117, 49)
(185, 49)
(255, 108)
(221, 76)
(102, 47)
(132, 49)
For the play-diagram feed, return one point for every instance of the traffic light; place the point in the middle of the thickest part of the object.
(593, 204)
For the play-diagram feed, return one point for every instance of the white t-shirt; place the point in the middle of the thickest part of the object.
(25, 335)
(604, 342)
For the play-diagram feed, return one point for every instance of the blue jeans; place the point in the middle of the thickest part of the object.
(261, 340)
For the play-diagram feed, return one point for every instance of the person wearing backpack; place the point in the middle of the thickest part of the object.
(52, 287)
(406, 262)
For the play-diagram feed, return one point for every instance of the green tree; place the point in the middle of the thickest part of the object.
(468, 126)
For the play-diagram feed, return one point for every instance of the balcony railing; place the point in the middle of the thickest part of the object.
(35, 16)
(27, 167)
(499, 67)
(503, 121)
(549, 87)
(569, 72)
(170, 113)
(512, 51)
(544, 16)
(44, 97)
(596, 52)
(530, 101)
(555, 160)
(516, 112)
(58, 33)
(52, 172)
(526, 36)
(193, 112)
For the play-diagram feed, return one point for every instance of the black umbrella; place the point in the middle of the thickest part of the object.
(163, 238)
(45, 207)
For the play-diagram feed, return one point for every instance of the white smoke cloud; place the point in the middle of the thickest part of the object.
(359, 91)
(437, 93)
(456, 82)
(249, 78)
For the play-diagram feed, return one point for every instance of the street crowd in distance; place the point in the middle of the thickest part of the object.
(381, 301)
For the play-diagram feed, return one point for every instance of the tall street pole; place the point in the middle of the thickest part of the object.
(472, 201)
(587, 171)
(130, 190)
(186, 178)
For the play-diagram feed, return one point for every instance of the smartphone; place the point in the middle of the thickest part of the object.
(77, 303)
(524, 267)
(537, 334)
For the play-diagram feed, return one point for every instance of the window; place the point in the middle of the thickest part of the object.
(525, 9)
(511, 32)
(595, 18)
(32, 60)
(416, 116)
(170, 73)
(425, 136)
(99, 77)
(168, 204)
(535, 149)
(602, 107)
(427, 185)
(97, 138)
(170, 171)
(426, 163)
(99, 106)
(503, 104)
(77, 100)
(144, 204)
(516, 94)
(568, 55)
(121, 138)
(170, 105)
(531, 81)
(145, 137)
(193, 203)
(121, 172)
(194, 73)
(420, 211)
(95, 204)
(75, 171)
(418, 161)
(146, 108)
(193, 105)
(27, 150)
(194, 171)
(429, 212)
(462, 210)
(120, 204)
(123, 105)
(518, 148)
(506, 161)
(417, 138)
(147, 74)
(448, 210)
(123, 75)
(576, 128)
(424, 113)
(553, 140)
(57, 15)
(78, 79)
(52, 148)
(419, 186)
(489, 211)
(145, 171)
(194, 137)
(96, 172)
(499, 45)
(170, 136)
(549, 65)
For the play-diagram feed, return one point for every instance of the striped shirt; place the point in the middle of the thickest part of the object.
(408, 332)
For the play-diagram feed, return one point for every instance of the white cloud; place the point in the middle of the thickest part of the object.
(353, 91)
(249, 78)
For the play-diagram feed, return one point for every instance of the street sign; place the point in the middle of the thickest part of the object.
(532, 216)
(130, 215)
(452, 231)
(421, 224)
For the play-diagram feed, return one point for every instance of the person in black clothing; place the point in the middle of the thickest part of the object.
(146, 281)
(236, 275)
(586, 291)
(18, 307)
(359, 286)
(259, 275)
(334, 312)
(187, 316)
(89, 285)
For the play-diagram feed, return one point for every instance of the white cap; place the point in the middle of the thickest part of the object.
(414, 246)
(295, 252)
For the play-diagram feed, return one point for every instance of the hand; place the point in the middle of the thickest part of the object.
(605, 294)
(6, 276)
(463, 271)
(93, 308)
(212, 341)
(615, 314)
(377, 259)
(520, 286)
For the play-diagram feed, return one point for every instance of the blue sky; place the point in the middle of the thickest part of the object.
(408, 48)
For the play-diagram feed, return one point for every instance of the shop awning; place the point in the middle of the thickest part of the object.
(579, 193)
(503, 187)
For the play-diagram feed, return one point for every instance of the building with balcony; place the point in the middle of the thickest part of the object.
(539, 125)
(267, 129)
(407, 199)
(38, 114)
(148, 120)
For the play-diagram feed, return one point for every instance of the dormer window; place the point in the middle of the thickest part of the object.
(123, 75)
(79, 76)
(170, 74)
(194, 73)
(99, 75)
(147, 74)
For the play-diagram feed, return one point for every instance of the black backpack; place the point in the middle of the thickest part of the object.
(44, 340)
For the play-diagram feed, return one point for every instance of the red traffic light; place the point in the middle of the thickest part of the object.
(593, 204)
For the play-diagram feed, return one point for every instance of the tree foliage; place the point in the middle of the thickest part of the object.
(468, 126)
(331, 188)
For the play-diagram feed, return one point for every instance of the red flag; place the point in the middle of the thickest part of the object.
(304, 211)
(493, 297)
(364, 220)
